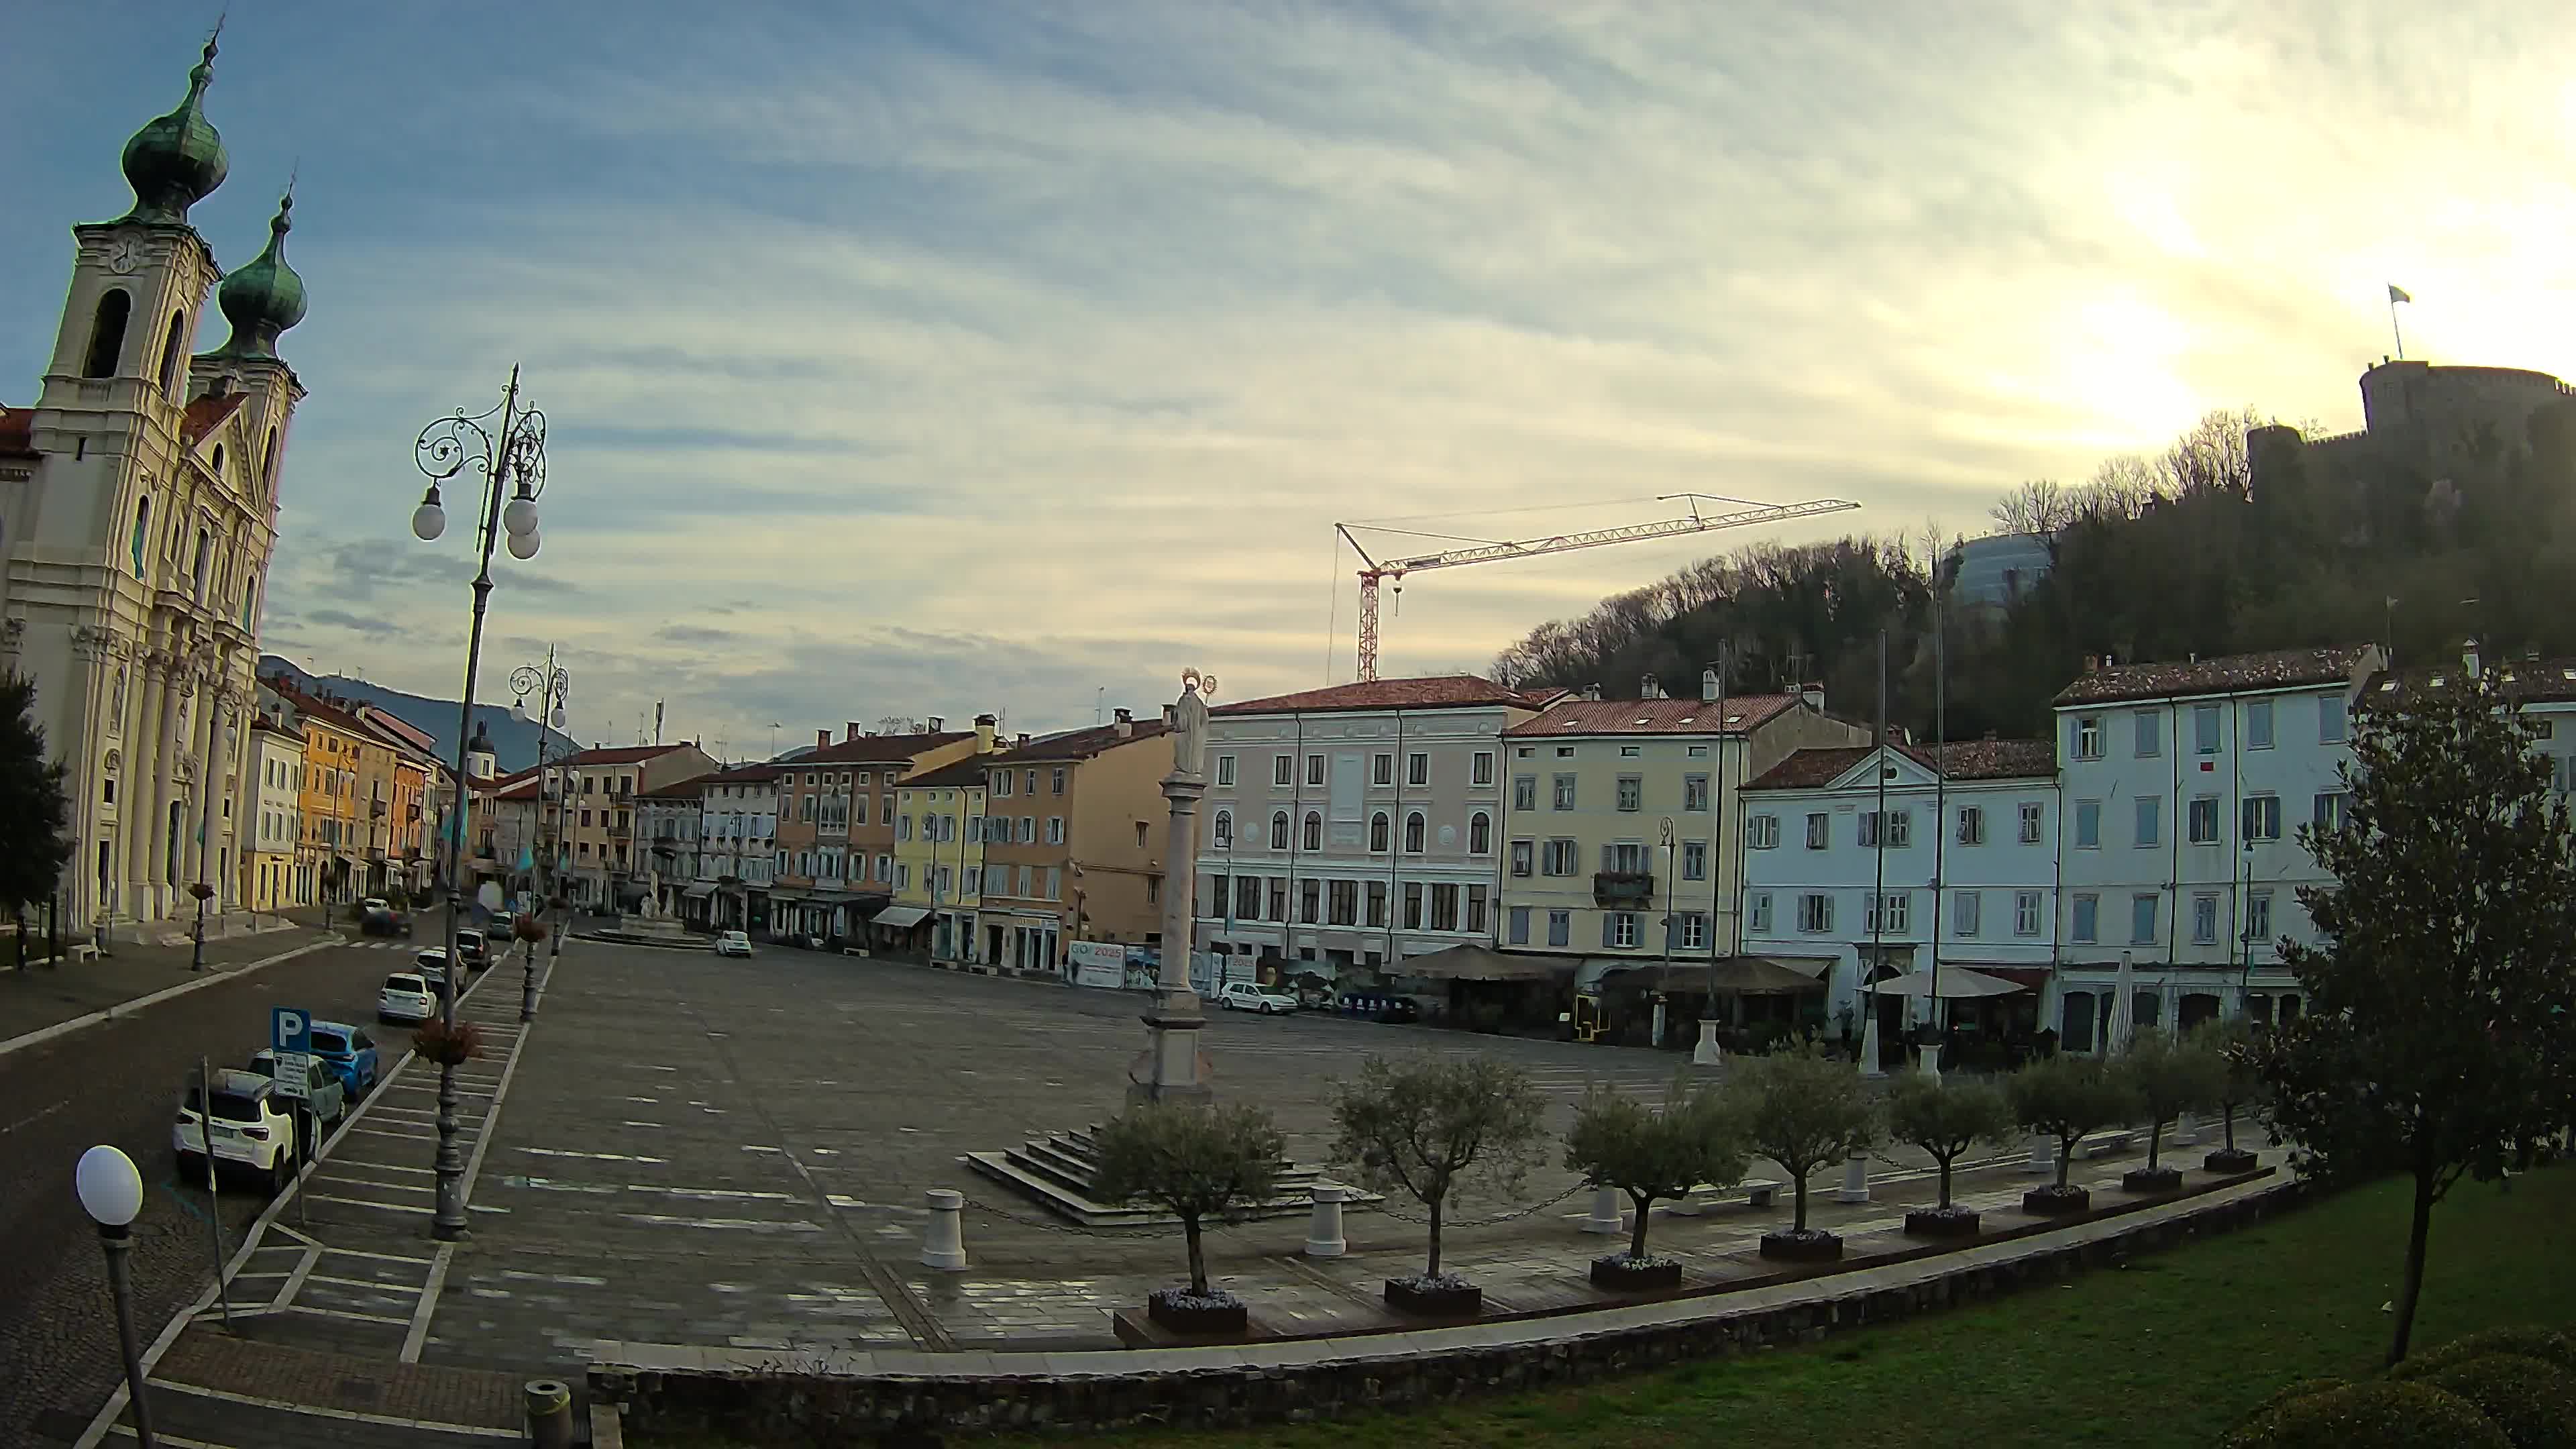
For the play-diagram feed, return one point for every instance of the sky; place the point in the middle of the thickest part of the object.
(914, 359)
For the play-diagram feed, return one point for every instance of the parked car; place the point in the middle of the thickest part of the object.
(348, 1052)
(377, 918)
(325, 1101)
(503, 923)
(1400, 1010)
(251, 1130)
(431, 966)
(1253, 996)
(733, 943)
(371, 905)
(473, 950)
(407, 999)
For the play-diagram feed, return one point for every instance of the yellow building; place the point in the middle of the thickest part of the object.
(271, 880)
(939, 855)
(331, 842)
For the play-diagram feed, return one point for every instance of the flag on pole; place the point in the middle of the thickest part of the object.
(2397, 294)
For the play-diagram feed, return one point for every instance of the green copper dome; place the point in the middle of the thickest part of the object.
(265, 297)
(176, 160)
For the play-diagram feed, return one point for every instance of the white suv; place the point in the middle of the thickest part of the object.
(406, 998)
(1252, 996)
(252, 1129)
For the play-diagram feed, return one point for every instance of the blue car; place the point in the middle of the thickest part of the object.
(349, 1053)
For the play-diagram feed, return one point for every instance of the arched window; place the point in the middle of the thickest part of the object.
(1378, 831)
(198, 561)
(1225, 830)
(1279, 830)
(173, 348)
(219, 460)
(268, 459)
(1314, 831)
(1413, 833)
(107, 333)
(1480, 833)
(142, 530)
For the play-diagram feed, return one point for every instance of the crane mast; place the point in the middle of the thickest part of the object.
(1376, 574)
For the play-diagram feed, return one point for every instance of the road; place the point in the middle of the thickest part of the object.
(117, 1083)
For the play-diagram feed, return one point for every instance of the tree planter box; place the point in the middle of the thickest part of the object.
(1951, 1222)
(1434, 1299)
(2228, 1160)
(2057, 1201)
(2151, 1179)
(1621, 1274)
(1181, 1312)
(1812, 1246)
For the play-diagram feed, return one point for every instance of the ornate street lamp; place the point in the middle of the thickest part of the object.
(197, 954)
(507, 447)
(552, 686)
(111, 1192)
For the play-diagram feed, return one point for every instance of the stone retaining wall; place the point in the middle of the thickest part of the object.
(786, 1405)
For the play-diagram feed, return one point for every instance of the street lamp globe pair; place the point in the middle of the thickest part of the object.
(518, 520)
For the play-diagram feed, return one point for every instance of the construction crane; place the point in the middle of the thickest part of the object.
(1377, 573)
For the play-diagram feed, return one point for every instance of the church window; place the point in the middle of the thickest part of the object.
(173, 348)
(197, 569)
(268, 459)
(142, 530)
(107, 333)
(219, 460)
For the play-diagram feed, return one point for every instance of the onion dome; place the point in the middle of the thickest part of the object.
(176, 160)
(265, 297)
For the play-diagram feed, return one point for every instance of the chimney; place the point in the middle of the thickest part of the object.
(1813, 695)
(822, 738)
(2092, 663)
(985, 724)
(850, 731)
(936, 724)
(1650, 688)
(1708, 685)
(2469, 657)
(1592, 692)
(1126, 723)
(1022, 741)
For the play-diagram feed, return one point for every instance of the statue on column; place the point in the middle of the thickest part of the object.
(1189, 723)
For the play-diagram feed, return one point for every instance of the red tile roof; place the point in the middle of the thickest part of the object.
(876, 749)
(1960, 760)
(745, 775)
(1439, 691)
(17, 432)
(2235, 673)
(968, 773)
(1655, 716)
(1077, 744)
(689, 789)
(207, 413)
(619, 755)
(2525, 681)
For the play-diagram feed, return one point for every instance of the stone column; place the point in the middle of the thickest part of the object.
(176, 692)
(943, 1244)
(1324, 1230)
(1605, 1216)
(1855, 1186)
(2186, 1131)
(1171, 1068)
(2043, 1156)
(139, 807)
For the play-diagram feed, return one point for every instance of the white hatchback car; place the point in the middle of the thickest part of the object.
(733, 943)
(251, 1129)
(406, 998)
(1252, 996)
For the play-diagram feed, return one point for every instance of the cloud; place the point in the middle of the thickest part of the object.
(354, 623)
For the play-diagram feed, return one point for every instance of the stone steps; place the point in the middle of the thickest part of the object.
(1057, 1171)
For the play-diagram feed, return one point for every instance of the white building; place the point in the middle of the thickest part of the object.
(138, 500)
(737, 848)
(2184, 787)
(1355, 825)
(668, 824)
(1962, 866)
(272, 807)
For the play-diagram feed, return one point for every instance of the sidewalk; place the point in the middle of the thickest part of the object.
(48, 995)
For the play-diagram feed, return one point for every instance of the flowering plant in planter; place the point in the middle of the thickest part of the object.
(1195, 1163)
(449, 1043)
(1429, 1128)
(1806, 1112)
(1651, 1153)
(1945, 1117)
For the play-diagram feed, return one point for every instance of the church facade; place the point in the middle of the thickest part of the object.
(138, 506)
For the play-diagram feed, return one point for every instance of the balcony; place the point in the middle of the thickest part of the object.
(1623, 888)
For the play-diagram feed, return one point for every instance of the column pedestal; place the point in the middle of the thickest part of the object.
(1605, 1216)
(1324, 1230)
(2043, 1156)
(943, 1245)
(1869, 1064)
(1707, 1053)
(1172, 1067)
(1855, 1186)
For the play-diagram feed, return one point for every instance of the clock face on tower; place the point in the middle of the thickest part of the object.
(124, 256)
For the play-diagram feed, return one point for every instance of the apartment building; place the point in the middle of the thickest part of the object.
(837, 806)
(938, 860)
(737, 849)
(607, 869)
(1355, 825)
(1074, 831)
(2184, 785)
(1865, 863)
(272, 879)
(668, 822)
(1622, 813)
(331, 805)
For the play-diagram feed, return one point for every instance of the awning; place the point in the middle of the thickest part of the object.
(2029, 978)
(900, 916)
(1479, 963)
(1957, 983)
(697, 892)
(1735, 975)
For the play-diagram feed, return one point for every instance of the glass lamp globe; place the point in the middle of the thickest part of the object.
(521, 516)
(519, 710)
(110, 1190)
(429, 520)
(523, 545)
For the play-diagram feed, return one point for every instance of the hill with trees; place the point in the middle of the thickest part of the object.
(2153, 557)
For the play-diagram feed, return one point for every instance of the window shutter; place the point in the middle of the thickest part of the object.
(1672, 933)
(1609, 858)
(1606, 936)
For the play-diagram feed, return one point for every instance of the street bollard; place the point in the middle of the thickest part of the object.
(2043, 1156)
(1324, 1230)
(2186, 1131)
(943, 1245)
(549, 1413)
(1855, 1186)
(1605, 1216)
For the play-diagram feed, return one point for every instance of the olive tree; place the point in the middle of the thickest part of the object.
(1195, 1163)
(1434, 1126)
(2168, 1075)
(1654, 1152)
(2239, 1085)
(1803, 1111)
(2064, 1097)
(1945, 1117)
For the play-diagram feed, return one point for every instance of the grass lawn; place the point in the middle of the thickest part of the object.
(2167, 1351)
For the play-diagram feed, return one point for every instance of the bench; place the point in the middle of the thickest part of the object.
(2107, 1143)
(1759, 1192)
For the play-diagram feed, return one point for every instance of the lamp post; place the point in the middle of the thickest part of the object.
(111, 1192)
(197, 952)
(553, 686)
(1664, 858)
(511, 461)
